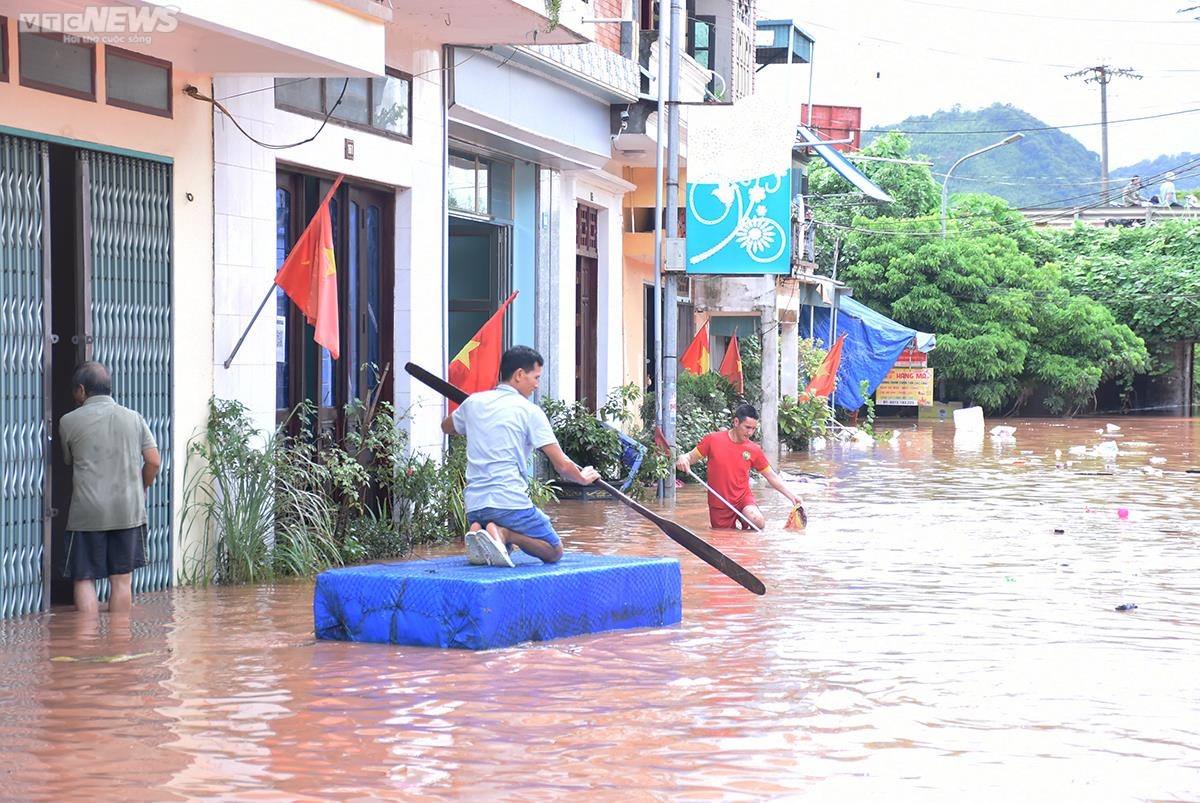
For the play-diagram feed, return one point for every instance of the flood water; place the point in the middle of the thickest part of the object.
(943, 630)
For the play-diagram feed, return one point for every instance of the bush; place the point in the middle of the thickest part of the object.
(592, 439)
(299, 502)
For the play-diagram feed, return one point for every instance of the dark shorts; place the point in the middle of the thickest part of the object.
(531, 521)
(92, 555)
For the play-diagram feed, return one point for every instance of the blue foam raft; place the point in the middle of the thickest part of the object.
(446, 602)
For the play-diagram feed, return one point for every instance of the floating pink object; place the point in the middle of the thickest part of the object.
(1122, 513)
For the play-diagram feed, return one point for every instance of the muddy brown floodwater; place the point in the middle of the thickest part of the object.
(945, 629)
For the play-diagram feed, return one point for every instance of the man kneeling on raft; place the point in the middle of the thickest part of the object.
(503, 427)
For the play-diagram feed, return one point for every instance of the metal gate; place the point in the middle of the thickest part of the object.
(24, 333)
(127, 264)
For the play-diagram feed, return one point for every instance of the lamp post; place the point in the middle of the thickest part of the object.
(1010, 139)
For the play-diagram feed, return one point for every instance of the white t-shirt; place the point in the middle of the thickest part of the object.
(502, 428)
(1166, 193)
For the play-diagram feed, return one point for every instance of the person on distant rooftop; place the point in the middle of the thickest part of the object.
(1132, 194)
(1166, 191)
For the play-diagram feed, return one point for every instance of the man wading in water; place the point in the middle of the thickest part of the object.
(731, 454)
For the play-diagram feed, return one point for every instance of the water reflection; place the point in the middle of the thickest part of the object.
(943, 629)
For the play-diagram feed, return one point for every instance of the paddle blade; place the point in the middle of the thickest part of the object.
(797, 520)
(694, 544)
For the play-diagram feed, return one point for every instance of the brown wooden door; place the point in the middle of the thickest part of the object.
(586, 307)
(362, 244)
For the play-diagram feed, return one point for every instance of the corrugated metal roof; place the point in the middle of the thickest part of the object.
(841, 165)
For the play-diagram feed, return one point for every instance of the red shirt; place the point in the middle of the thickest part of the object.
(729, 467)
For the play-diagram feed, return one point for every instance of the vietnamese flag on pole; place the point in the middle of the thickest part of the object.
(731, 365)
(477, 365)
(309, 276)
(823, 381)
(696, 358)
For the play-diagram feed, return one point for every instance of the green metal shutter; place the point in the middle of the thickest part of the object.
(129, 211)
(23, 434)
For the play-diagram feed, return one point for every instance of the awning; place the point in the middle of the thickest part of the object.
(873, 343)
(841, 165)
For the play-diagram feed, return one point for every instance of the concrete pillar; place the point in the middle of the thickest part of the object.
(789, 360)
(768, 412)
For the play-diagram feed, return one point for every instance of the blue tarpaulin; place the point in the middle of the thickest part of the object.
(873, 343)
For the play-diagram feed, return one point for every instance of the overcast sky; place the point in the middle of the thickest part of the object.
(897, 58)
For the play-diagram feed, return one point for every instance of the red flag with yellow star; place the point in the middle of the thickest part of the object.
(309, 276)
(731, 365)
(477, 365)
(823, 381)
(696, 358)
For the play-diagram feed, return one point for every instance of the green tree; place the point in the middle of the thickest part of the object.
(1009, 329)
(1146, 275)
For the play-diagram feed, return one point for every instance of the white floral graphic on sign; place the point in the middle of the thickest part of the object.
(743, 211)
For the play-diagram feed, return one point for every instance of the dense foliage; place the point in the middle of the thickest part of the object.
(294, 502)
(1010, 330)
(1146, 275)
(593, 439)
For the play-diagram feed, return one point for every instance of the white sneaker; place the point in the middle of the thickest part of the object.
(497, 551)
(476, 553)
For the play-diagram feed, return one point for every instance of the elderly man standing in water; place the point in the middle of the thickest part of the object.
(115, 459)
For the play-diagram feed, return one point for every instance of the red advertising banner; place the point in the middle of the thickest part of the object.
(911, 358)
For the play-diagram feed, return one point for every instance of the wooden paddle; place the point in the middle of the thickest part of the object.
(736, 512)
(677, 533)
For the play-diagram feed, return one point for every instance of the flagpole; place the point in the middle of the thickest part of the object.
(271, 291)
(238, 345)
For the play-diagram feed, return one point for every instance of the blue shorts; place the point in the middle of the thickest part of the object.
(531, 521)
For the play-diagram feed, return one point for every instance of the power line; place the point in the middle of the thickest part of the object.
(1103, 74)
(1070, 211)
(1046, 16)
(1025, 130)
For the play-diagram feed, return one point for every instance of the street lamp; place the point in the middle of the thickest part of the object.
(1010, 139)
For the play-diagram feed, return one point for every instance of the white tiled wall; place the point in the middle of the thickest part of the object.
(243, 246)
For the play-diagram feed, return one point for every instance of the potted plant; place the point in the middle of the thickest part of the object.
(591, 440)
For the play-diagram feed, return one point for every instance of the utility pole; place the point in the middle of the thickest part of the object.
(1102, 74)
(670, 318)
(660, 399)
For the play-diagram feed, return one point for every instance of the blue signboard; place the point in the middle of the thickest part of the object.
(740, 227)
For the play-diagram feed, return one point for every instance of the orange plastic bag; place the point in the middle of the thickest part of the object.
(797, 520)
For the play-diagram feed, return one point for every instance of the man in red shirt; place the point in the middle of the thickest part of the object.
(731, 454)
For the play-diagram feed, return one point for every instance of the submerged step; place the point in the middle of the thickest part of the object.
(446, 602)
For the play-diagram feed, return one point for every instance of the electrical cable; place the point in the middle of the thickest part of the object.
(193, 92)
(1026, 130)
(1068, 212)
